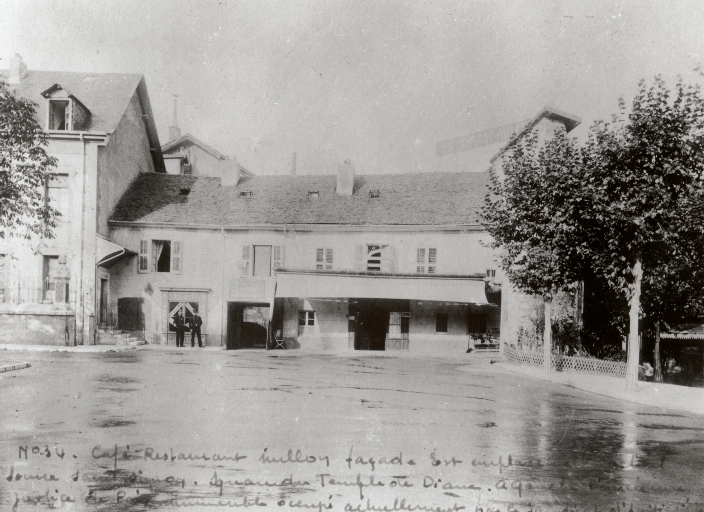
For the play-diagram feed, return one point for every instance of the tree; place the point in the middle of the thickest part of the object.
(644, 180)
(532, 215)
(25, 169)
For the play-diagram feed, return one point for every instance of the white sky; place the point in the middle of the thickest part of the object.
(379, 82)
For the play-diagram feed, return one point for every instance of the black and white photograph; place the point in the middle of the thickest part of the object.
(352, 255)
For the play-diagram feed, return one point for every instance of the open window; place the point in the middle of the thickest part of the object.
(166, 256)
(59, 115)
(64, 111)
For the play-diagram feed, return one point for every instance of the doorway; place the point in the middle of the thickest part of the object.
(372, 322)
(103, 321)
(247, 325)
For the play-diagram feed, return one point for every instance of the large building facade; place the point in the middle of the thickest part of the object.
(101, 130)
(345, 262)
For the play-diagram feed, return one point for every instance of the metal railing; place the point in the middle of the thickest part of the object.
(16, 288)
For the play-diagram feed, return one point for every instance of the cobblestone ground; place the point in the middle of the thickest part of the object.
(284, 430)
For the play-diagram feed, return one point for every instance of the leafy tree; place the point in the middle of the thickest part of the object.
(25, 168)
(532, 214)
(644, 180)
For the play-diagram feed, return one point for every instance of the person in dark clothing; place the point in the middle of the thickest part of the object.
(195, 324)
(180, 326)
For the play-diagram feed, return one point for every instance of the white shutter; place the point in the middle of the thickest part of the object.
(278, 256)
(143, 256)
(420, 260)
(432, 260)
(246, 260)
(388, 259)
(359, 257)
(176, 256)
(319, 254)
(328, 259)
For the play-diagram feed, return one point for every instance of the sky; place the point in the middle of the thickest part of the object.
(378, 82)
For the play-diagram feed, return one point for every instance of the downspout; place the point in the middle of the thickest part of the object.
(223, 310)
(79, 299)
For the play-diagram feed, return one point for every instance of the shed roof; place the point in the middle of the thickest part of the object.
(405, 199)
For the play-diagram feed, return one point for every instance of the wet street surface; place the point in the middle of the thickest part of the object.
(284, 430)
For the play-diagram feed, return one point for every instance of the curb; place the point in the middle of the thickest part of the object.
(14, 366)
(659, 396)
(84, 349)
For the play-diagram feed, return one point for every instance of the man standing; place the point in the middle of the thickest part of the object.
(180, 328)
(195, 324)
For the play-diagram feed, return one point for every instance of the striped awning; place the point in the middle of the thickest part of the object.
(312, 284)
(108, 253)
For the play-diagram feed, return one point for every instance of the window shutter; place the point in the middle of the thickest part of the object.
(359, 257)
(278, 256)
(246, 260)
(388, 259)
(420, 260)
(319, 264)
(154, 251)
(67, 116)
(328, 259)
(143, 256)
(176, 256)
(432, 260)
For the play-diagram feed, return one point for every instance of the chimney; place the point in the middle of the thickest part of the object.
(345, 179)
(293, 164)
(230, 172)
(17, 69)
(174, 130)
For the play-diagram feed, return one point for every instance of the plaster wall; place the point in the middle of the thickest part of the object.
(125, 156)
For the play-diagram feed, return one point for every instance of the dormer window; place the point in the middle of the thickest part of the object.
(373, 194)
(246, 193)
(313, 194)
(64, 111)
(59, 115)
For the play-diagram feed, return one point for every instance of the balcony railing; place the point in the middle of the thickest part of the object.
(16, 288)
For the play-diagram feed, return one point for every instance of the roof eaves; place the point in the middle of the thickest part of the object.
(148, 117)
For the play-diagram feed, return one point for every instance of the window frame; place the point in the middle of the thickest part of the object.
(68, 115)
(324, 258)
(310, 319)
(426, 266)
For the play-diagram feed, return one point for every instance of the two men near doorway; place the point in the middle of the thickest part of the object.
(194, 323)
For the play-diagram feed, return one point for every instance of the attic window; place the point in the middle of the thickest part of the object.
(374, 194)
(313, 194)
(245, 193)
(59, 115)
(185, 191)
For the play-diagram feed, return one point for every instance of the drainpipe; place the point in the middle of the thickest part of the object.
(223, 309)
(79, 299)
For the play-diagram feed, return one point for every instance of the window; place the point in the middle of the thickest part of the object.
(441, 322)
(313, 194)
(306, 318)
(476, 323)
(246, 260)
(380, 258)
(323, 258)
(490, 273)
(373, 194)
(59, 115)
(246, 193)
(426, 260)
(49, 267)
(262, 260)
(166, 256)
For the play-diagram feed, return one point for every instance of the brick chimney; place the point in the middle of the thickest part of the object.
(174, 130)
(345, 179)
(17, 69)
(230, 172)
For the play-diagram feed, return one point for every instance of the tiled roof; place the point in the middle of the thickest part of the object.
(106, 95)
(405, 199)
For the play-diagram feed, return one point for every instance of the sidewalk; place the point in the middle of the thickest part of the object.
(663, 396)
(54, 348)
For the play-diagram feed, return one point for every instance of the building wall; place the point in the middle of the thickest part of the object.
(212, 260)
(124, 157)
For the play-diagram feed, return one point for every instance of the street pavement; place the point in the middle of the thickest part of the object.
(286, 430)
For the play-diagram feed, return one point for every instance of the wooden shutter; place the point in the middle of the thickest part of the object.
(319, 263)
(432, 260)
(176, 256)
(359, 257)
(143, 256)
(388, 259)
(154, 250)
(246, 260)
(278, 258)
(328, 259)
(420, 260)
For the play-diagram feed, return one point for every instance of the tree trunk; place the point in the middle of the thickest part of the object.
(658, 364)
(633, 355)
(547, 336)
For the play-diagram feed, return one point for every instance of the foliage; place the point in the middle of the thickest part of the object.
(644, 177)
(531, 211)
(25, 168)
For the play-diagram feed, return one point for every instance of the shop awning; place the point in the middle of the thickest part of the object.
(311, 284)
(108, 253)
